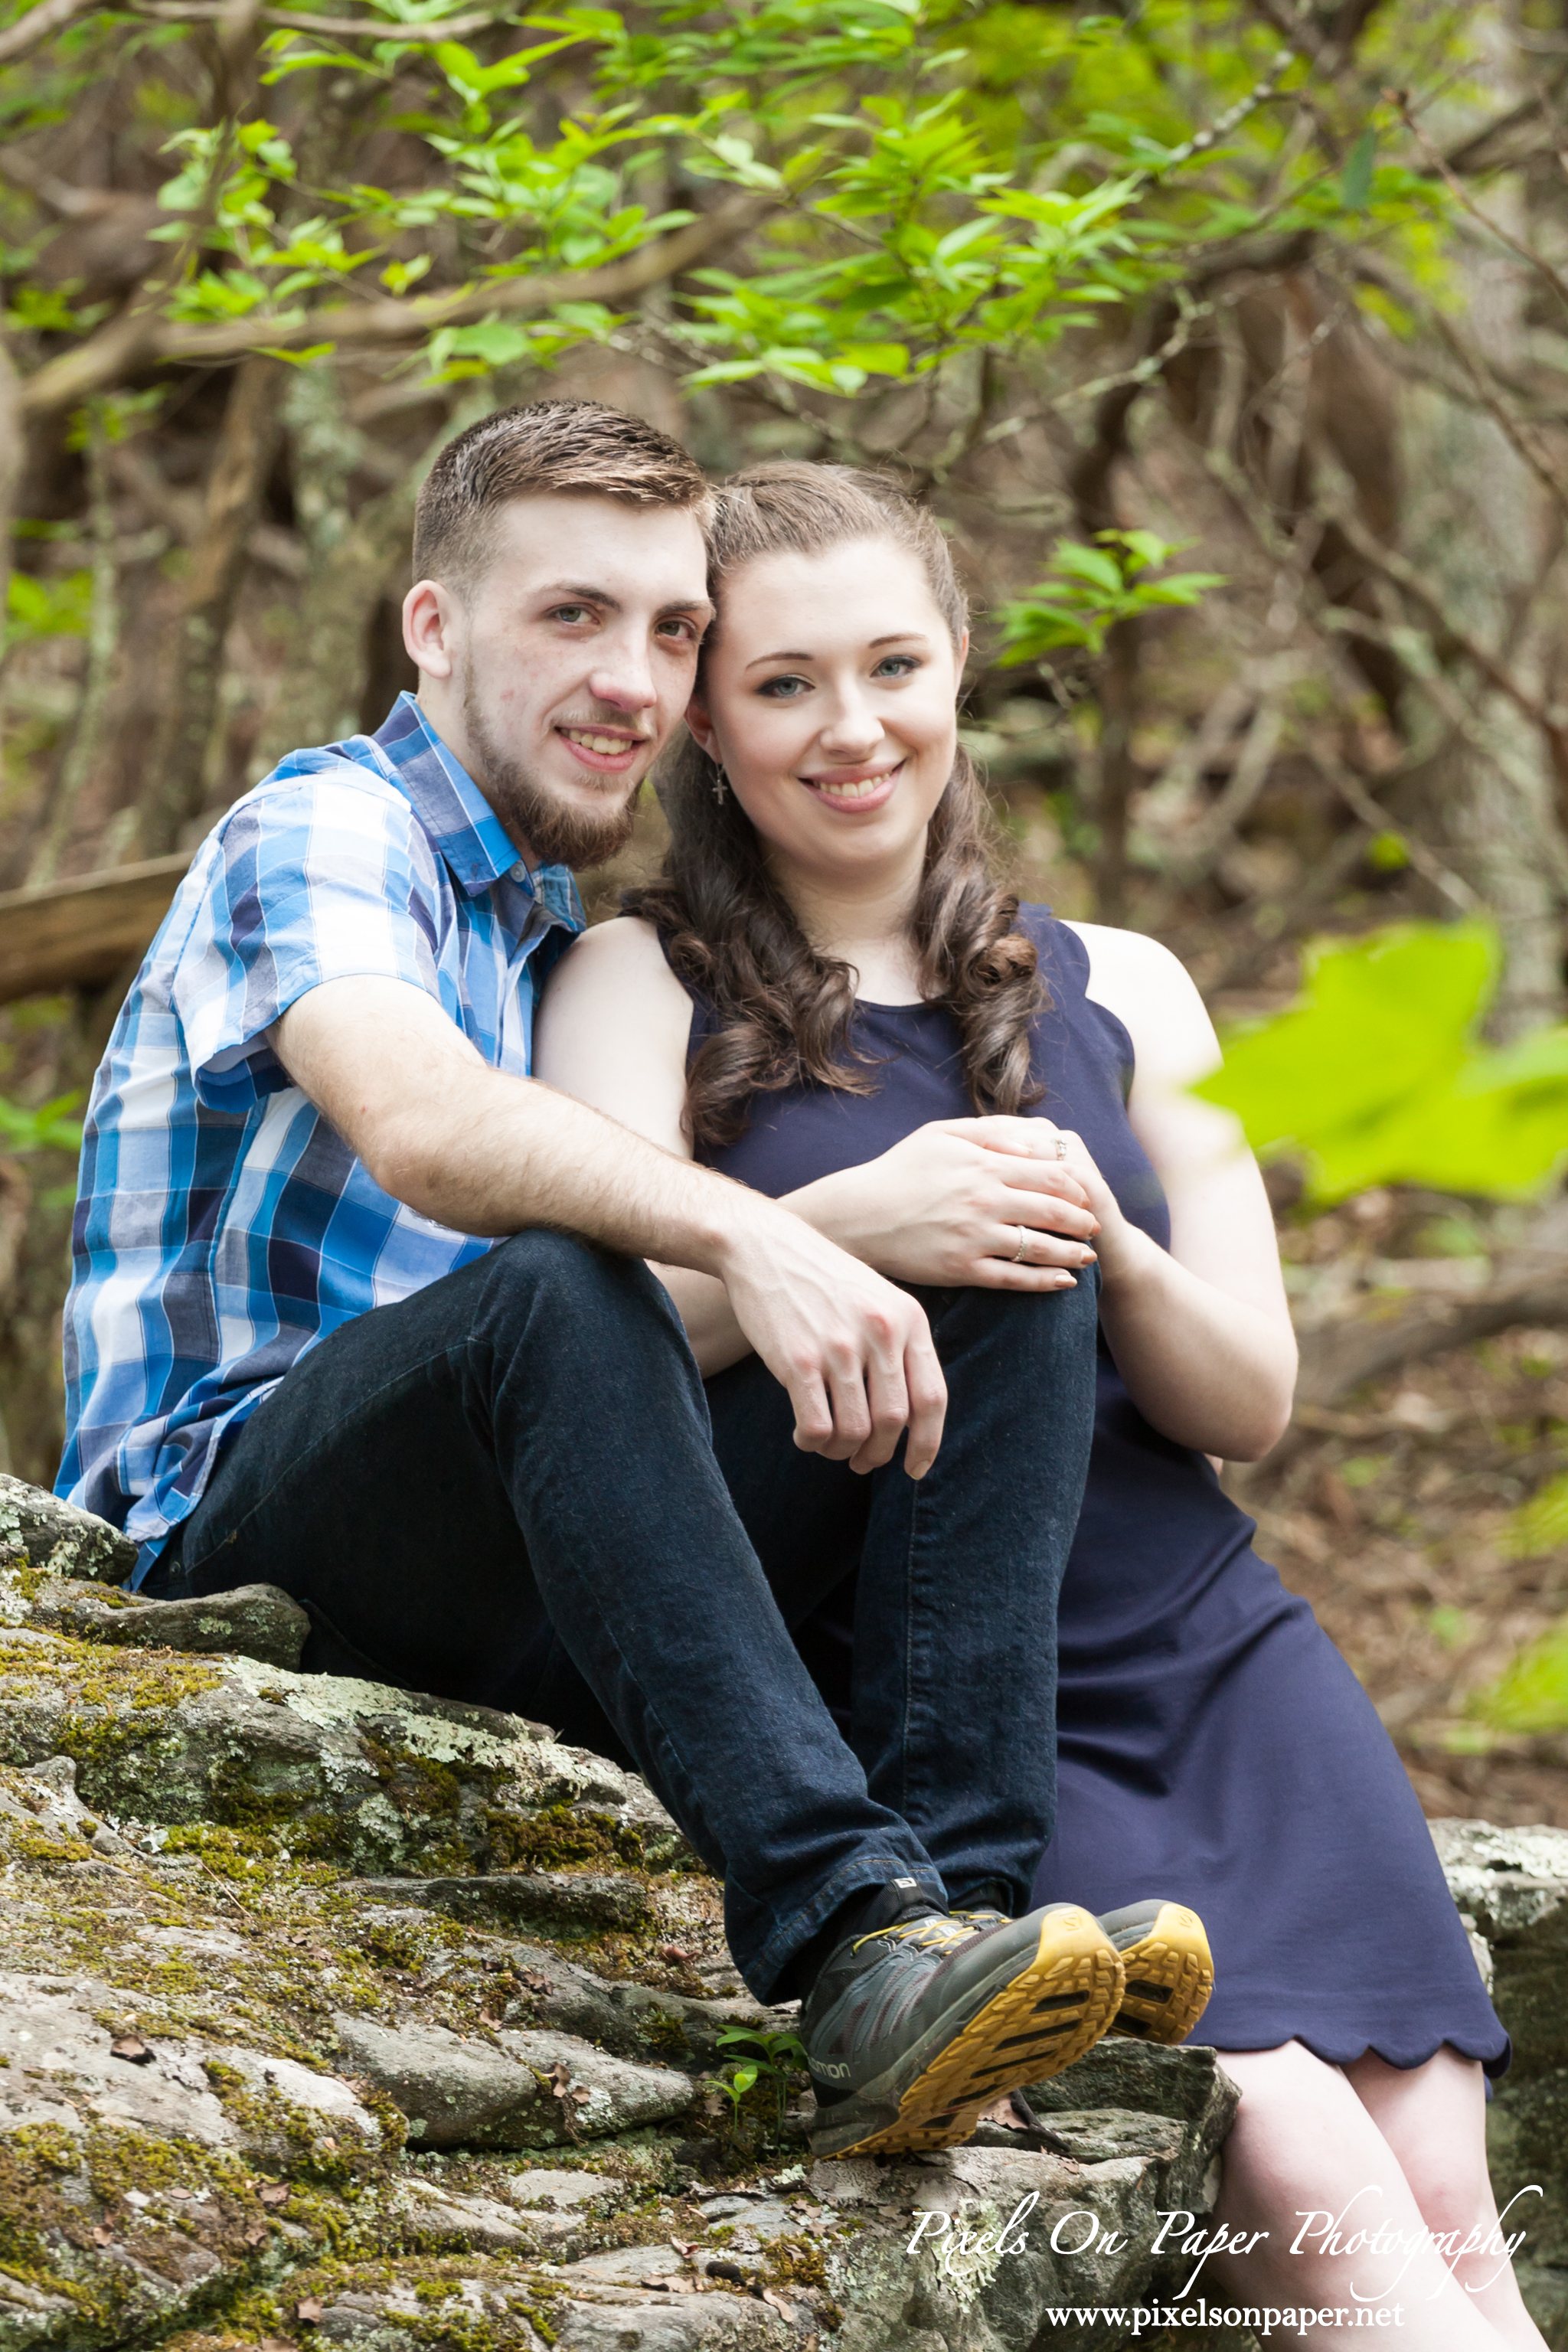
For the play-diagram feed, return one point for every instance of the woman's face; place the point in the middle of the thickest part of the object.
(830, 699)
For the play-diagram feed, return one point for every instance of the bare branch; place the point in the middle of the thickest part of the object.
(1339, 1356)
(40, 25)
(1376, 819)
(139, 337)
(1456, 189)
(377, 29)
(1552, 720)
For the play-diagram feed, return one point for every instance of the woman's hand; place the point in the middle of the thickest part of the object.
(954, 1202)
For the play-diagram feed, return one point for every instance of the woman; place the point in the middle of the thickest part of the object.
(826, 996)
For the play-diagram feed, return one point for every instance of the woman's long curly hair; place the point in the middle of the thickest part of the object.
(784, 1009)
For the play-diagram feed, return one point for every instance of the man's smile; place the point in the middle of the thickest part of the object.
(601, 749)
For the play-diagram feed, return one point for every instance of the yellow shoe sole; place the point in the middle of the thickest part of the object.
(1042, 2020)
(1170, 1976)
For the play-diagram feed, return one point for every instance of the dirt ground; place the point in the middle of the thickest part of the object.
(1392, 1518)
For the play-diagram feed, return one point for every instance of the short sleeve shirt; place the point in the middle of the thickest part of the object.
(222, 1226)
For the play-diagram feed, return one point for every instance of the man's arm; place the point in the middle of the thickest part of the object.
(483, 1152)
(944, 1206)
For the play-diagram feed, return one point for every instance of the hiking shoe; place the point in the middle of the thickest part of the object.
(1170, 1974)
(912, 2030)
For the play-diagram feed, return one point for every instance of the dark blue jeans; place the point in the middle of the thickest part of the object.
(507, 1489)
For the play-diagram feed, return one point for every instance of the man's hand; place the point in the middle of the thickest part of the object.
(486, 1153)
(855, 1353)
(946, 1204)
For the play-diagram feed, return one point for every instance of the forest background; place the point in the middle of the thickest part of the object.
(1229, 341)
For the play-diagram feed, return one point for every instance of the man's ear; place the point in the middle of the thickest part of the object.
(700, 726)
(432, 628)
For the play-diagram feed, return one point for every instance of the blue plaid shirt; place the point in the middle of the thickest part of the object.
(222, 1228)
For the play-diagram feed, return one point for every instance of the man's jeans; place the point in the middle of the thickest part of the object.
(506, 1489)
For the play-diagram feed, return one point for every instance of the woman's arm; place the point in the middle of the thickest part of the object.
(613, 1030)
(1202, 1336)
(944, 1206)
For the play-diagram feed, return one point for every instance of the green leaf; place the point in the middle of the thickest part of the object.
(47, 608)
(1377, 1077)
(1355, 184)
(1539, 1525)
(47, 1129)
(1531, 1695)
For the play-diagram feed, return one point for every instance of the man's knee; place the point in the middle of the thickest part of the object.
(564, 1286)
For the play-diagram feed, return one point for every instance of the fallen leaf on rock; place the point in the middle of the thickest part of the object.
(326, 2142)
(183, 2194)
(674, 2284)
(102, 2237)
(308, 2310)
(277, 2343)
(676, 1952)
(776, 2302)
(275, 2193)
(255, 2235)
(131, 2047)
(531, 1981)
(684, 2247)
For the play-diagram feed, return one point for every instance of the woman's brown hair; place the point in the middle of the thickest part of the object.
(783, 1010)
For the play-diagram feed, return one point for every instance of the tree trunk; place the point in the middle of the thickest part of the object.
(252, 426)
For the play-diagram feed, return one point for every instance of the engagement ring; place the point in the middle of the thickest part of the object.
(1023, 1246)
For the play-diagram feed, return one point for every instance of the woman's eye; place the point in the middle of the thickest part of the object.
(783, 689)
(568, 613)
(896, 665)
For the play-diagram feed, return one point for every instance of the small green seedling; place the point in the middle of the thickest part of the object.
(780, 2055)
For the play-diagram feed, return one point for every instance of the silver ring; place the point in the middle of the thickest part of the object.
(1023, 1246)
(1061, 1147)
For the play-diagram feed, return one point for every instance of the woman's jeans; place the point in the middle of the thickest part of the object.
(507, 1489)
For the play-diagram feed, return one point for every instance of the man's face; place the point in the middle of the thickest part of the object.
(563, 671)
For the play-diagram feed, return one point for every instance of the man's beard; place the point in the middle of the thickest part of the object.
(556, 833)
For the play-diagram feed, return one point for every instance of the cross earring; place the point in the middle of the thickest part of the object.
(721, 783)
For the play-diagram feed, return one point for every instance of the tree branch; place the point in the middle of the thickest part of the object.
(1552, 722)
(40, 25)
(380, 28)
(252, 427)
(1339, 1356)
(138, 338)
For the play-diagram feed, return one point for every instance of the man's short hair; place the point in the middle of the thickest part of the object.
(551, 448)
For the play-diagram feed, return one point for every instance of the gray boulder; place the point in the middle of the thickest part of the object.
(1511, 1884)
(261, 1925)
(256, 1621)
(524, 2090)
(38, 1533)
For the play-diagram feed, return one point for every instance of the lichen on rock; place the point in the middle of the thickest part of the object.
(339, 2014)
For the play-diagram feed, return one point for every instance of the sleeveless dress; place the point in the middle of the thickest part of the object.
(1212, 1743)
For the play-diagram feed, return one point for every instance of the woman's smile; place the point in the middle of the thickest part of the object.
(856, 792)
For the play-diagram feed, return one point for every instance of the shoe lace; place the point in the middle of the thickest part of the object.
(929, 1934)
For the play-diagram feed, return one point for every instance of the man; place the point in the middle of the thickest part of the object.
(360, 1309)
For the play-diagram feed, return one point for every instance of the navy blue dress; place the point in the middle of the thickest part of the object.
(1212, 1743)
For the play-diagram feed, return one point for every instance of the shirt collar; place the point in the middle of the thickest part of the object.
(461, 821)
